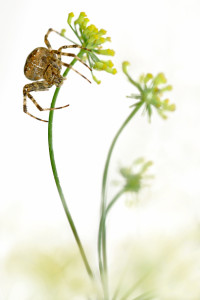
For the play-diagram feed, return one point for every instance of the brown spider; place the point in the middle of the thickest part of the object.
(45, 63)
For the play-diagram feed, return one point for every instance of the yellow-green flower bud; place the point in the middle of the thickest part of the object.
(70, 17)
(109, 63)
(109, 52)
(92, 39)
(111, 71)
(125, 65)
(85, 22)
(167, 88)
(80, 19)
(159, 79)
(99, 41)
(172, 107)
(102, 32)
(108, 39)
(99, 65)
(148, 77)
(96, 80)
(141, 78)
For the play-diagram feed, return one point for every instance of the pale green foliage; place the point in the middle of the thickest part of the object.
(166, 267)
(134, 176)
(52, 274)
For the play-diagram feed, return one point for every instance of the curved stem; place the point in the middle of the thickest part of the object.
(105, 174)
(102, 255)
(137, 85)
(103, 219)
(55, 173)
(112, 202)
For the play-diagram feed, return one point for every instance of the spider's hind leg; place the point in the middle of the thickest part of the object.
(36, 86)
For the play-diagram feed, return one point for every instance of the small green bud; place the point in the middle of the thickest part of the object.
(62, 33)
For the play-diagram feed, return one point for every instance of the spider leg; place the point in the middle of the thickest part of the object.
(46, 37)
(36, 86)
(25, 108)
(73, 46)
(69, 66)
(71, 55)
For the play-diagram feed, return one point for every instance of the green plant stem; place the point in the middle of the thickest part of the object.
(102, 255)
(113, 201)
(137, 85)
(102, 222)
(133, 288)
(103, 218)
(55, 173)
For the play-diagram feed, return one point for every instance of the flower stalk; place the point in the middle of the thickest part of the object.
(56, 178)
(102, 226)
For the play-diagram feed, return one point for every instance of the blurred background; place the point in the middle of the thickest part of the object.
(158, 227)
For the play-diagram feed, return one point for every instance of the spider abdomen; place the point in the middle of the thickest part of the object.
(36, 63)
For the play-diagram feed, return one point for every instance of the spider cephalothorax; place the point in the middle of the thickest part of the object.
(43, 65)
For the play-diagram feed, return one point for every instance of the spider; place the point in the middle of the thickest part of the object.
(45, 63)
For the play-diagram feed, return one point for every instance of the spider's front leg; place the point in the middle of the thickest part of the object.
(60, 62)
(46, 38)
(70, 67)
(36, 86)
(59, 53)
(47, 35)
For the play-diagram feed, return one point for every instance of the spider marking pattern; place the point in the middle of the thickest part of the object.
(45, 63)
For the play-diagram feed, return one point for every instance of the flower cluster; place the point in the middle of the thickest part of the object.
(134, 180)
(92, 39)
(150, 92)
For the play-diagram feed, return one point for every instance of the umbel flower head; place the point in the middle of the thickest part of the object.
(92, 38)
(151, 90)
(134, 181)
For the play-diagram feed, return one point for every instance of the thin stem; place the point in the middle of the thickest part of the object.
(137, 85)
(102, 222)
(132, 289)
(105, 174)
(102, 255)
(113, 201)
(103, 219)
(55, 173)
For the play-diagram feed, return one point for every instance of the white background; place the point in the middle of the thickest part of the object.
(154, 36)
